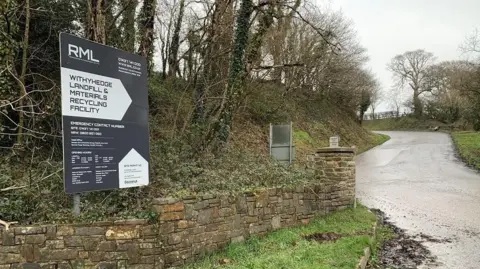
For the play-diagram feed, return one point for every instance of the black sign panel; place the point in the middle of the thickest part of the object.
(105, 116)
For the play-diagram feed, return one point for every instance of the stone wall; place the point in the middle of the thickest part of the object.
(186, 228)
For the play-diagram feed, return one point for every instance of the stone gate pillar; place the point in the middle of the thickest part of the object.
(335, 168)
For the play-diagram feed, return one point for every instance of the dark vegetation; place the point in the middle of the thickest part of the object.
(220, 76)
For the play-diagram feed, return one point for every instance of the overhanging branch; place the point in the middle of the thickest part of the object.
(266, 67)
(324, 34)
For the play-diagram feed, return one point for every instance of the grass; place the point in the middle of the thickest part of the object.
(403, 123)
(375, 140)
(287, 249)
(468, 146)
(383, 234)
(317, 136)
(302, 137)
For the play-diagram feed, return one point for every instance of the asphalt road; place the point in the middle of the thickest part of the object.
(417, 180)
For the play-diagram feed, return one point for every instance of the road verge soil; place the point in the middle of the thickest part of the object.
(403, 251)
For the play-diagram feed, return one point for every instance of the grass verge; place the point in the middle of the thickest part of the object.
(468, 146)
(384, 233)
(288, 249)
(375, 140)
(401, 124)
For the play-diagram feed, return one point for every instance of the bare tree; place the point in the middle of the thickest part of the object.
(279, 36)
(163, 29)
(236, 71)
(376, 98)
(471, 44)
(175, 44)
(395, 101)
(409, 69)
(21, 77)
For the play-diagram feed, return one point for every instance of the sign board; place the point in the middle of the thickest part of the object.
(104, 116)
(334, 141)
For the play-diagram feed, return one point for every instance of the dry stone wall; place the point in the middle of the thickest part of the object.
(186, 228)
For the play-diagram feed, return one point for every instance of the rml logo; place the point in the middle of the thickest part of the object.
(80, 53)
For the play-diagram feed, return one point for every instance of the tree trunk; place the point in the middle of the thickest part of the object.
(360, 119)
(172, 59)
(237, 65)
(189, 64)
(96, 21)
(113, 33)
(255, 44)
(279, 38)
(219, 45)
(21, 78)
(199, 101)
(147, 23)
(128, 24)
(417, 104)
(165, 49)
(216, 60)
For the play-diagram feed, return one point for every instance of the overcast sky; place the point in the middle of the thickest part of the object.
(390, 27)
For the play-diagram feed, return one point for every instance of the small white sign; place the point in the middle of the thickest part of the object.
(334, 142)
(133, 170)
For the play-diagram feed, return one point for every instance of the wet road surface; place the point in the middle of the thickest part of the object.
(417, 180)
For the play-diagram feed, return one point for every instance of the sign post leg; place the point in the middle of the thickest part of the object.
(270, 141)
(291, 143)
(76, 204)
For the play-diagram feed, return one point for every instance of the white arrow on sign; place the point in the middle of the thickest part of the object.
(89, 95)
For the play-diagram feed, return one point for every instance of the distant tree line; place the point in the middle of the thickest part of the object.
(445, 91)
(385, 115)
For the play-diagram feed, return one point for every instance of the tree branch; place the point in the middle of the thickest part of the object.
(13, 188)
(325, 35)
(278, 66)
(115, 18)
